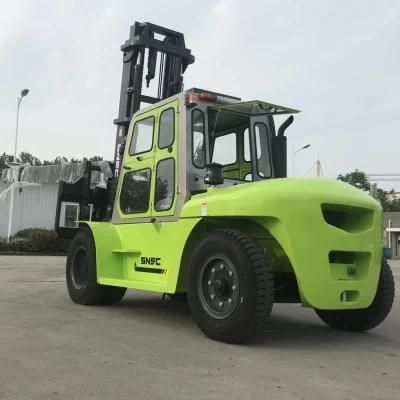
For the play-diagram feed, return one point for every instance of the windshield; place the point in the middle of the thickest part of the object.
(240, 143)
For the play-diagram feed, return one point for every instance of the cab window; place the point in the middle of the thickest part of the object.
(167, 128)
(246, 145)
(263, 145)
(142, 138)
(198, 144)
(225, 149)
(135, 192)
(165, 185)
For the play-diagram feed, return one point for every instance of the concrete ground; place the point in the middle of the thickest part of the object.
(148, 348)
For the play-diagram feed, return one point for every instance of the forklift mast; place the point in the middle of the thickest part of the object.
(145, 41)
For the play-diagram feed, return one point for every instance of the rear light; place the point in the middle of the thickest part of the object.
(208, 96)
(203, 96)
(194, 97)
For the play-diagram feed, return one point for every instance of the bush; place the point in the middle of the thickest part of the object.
(35, 240)
(26, 233)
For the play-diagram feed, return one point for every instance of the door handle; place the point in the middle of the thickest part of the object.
(126, 167)
(139, 158)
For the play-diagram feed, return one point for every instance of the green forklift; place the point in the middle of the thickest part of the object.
(200, 208)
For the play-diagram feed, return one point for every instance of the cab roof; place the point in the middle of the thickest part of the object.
(254, 107)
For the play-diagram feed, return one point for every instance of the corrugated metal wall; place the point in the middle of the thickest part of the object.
(34, 207)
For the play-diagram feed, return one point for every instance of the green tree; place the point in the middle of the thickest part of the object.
(25, 157)
(359, 179)
(92, 159)
(3, 159)
(391, 203)
(356, 178)
(383, 198)
(29, 158)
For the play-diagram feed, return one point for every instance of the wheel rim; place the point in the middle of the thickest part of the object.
(79, 270)
(218, 286)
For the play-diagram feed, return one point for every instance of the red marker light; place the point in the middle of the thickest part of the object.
(192, 97)
(208, 96)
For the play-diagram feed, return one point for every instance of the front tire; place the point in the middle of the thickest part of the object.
(366, 318)
(230, 286)
(178, 297)
(81, 274)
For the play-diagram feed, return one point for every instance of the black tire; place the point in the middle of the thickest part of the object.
(112, 295)
(366, 318)
(178, 297)
(81, 274)
(241, 283)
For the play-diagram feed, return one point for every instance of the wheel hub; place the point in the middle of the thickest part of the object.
(218, 286)
(221, 286)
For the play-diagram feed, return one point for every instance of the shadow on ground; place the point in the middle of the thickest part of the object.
(285, 329)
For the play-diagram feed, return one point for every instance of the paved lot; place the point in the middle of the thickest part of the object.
(148, 348)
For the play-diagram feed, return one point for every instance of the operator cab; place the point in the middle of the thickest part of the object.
(173, 146)
(240, 136)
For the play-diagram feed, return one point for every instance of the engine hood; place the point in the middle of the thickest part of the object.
(276, 197)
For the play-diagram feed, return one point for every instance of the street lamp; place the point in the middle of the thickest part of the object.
(295, 152)
(24, 92)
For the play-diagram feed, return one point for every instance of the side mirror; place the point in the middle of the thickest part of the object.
(214, 174)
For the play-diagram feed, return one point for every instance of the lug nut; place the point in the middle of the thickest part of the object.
(213, 270)
(220, 304)
(212, 297)
(222, 266)
(230, 273)
(229, 301)
(234, 287)
(209, 283)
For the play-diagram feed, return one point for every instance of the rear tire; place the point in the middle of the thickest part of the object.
(230, 286)
(366, 318)
(81, 274)
(112, 295)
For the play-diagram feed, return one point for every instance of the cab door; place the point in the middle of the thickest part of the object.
(135, 191)
(166, 161)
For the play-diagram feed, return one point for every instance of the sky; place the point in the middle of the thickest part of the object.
(337, 61)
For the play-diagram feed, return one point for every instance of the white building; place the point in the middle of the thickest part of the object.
(35, 206)
(391, 222)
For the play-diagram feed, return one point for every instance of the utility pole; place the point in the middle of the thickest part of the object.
(294, 154)
(24, 92)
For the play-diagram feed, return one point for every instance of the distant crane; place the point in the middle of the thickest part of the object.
(318, 169)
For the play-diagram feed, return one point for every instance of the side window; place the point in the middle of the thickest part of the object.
(225, 149)
(263, 150)
(135, 192)
(167, 128)
(165, 185)
(142, 138)
(246, 138)
(198, 145)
